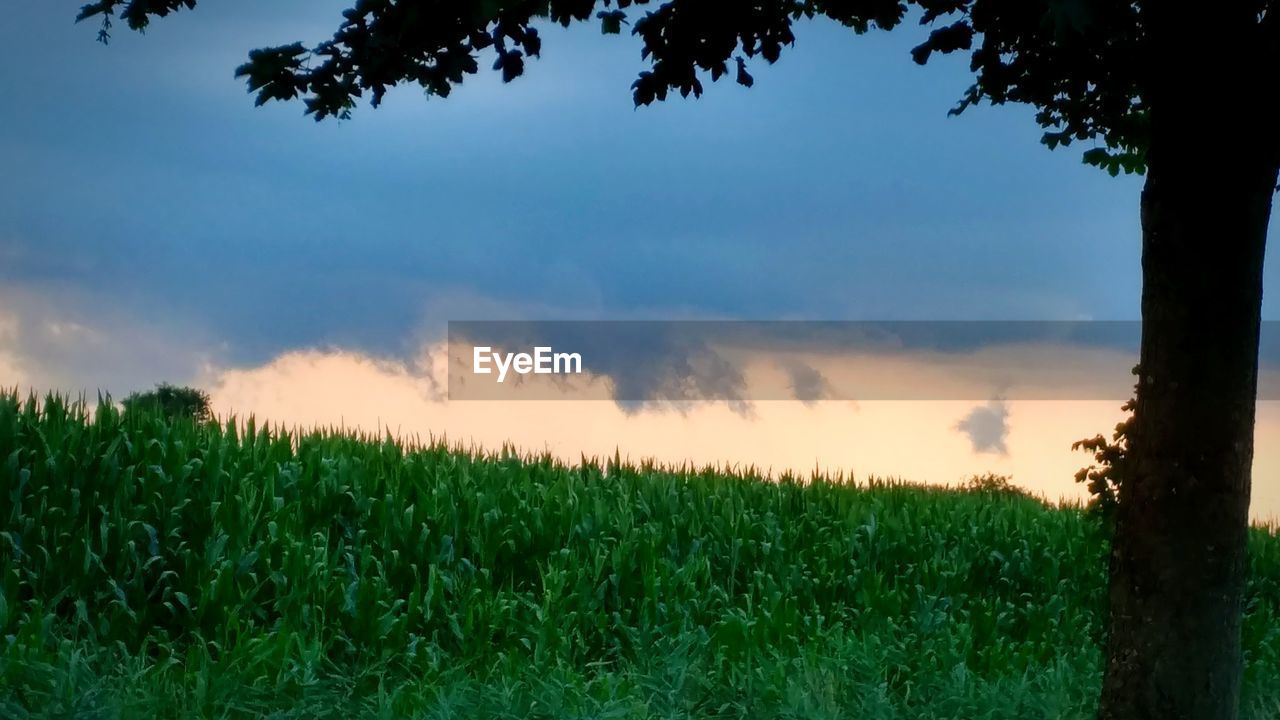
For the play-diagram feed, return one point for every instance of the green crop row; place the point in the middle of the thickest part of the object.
(237, 570)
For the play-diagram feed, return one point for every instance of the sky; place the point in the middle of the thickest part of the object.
(155, 225)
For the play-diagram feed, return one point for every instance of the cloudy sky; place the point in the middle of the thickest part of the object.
(154, 225)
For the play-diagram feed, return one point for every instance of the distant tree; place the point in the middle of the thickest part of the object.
(171, 401)
(1180, 91)
(994, 484)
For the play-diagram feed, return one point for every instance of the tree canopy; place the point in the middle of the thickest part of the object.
(1079, 62)
(171, 401)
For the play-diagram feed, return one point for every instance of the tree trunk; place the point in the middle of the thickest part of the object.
(1179, 554)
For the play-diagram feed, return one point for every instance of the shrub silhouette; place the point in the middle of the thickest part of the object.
(994, 484)
(171, 401)
(1104, 476)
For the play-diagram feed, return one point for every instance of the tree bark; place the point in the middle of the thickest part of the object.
(1179, 553)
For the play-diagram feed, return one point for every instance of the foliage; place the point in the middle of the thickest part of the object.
(171, 401)
(1078, 62)
(1104, 476)
(174, 569)
(995, 484)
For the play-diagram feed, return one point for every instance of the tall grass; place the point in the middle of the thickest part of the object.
(179, 569)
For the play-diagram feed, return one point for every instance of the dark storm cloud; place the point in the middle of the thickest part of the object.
(144, 166)
(141, 174)
(70, 342)
(649, 363)
(688, 361)
(807, 383)
(987, 427)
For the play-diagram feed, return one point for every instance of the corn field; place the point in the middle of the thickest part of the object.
(178, 569)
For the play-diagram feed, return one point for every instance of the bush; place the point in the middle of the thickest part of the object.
(171, 402)
(1104, 477)
(994, 484)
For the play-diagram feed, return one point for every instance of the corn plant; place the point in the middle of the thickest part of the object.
(180, 568)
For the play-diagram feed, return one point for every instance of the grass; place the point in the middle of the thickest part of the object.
(175, 570)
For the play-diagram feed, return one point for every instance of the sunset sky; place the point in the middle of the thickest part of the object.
(154, 226)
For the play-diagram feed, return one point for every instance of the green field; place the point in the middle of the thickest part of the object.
(167, 570)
